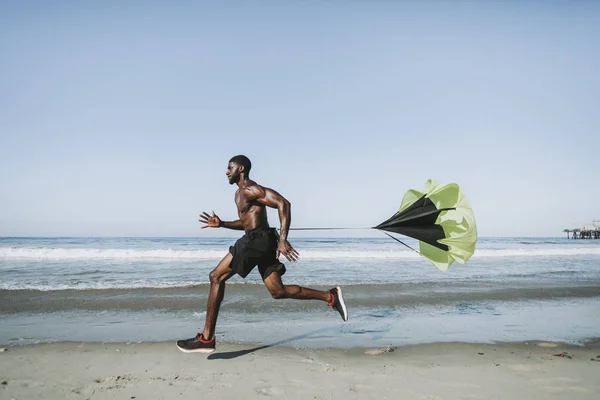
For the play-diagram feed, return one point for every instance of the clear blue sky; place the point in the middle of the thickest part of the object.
(119, 119)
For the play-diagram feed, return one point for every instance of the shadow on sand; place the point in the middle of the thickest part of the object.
(233, 354)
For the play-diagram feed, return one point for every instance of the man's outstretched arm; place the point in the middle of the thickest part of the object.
(213, 221)
(237, 225)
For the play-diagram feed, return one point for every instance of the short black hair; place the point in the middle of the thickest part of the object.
(242, 160)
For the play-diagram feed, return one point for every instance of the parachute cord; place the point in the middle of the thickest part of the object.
(327, 229)
(323, 229)
(400, 241)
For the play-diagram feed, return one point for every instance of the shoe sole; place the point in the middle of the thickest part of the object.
(205, 351)
(341, 300)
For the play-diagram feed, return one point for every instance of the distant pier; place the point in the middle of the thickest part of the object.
(585, 232)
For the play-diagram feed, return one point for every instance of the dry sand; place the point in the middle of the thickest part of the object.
(529, 370)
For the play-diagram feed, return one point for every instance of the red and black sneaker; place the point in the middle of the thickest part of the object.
(196, 344)
(337, 302)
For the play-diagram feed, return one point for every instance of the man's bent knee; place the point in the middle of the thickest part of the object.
(216, 277)
(278, 293)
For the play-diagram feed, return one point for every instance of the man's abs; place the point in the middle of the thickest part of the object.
(255, 217)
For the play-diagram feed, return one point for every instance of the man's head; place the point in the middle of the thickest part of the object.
(238, 165)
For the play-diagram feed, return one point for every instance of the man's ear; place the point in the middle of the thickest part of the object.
(241, 168)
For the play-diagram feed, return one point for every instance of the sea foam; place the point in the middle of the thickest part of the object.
(213, 254)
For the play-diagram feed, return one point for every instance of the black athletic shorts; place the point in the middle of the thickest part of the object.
(257, 247)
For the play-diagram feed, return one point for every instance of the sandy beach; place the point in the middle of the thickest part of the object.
(528, 370)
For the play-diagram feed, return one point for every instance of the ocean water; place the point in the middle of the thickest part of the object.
(154, 289)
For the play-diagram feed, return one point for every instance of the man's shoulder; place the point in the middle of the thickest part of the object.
(253, 188)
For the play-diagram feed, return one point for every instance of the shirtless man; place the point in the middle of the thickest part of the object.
(259, 246)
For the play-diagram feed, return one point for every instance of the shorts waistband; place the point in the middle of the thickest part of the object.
(260, 230)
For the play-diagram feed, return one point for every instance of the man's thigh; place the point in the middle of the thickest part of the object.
(273, 282)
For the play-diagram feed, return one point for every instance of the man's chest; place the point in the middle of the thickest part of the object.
(242, 203)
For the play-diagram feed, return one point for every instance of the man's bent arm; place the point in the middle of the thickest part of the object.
(285, 216)
(272, 199)
(236, 225)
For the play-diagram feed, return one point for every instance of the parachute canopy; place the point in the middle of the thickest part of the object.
(441, 219)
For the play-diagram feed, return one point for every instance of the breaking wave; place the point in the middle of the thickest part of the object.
(214, 254)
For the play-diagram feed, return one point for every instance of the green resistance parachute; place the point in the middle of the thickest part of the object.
(441, 219)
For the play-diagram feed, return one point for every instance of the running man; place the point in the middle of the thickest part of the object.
(260, 245)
